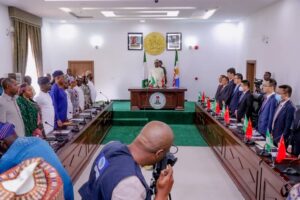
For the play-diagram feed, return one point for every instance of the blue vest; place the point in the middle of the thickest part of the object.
(112, 165)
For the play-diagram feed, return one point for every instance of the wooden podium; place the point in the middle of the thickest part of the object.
(153, 98)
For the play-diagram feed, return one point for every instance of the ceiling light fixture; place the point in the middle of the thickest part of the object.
(209, 13)
(108, 13)
(140, 8)
(65, 9)
(142, 21)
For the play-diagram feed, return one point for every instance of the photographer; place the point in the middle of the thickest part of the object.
(116, 172)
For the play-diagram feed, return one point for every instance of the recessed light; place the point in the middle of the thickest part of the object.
(108, 13)
(142, 21)
(65, 9)
(63, 21)
(209, 13)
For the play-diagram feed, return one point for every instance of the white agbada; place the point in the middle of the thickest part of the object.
(158, 74)
(45, 102)
(93, 91)
(70, 106)
(80, 96)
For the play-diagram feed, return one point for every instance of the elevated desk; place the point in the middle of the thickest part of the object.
(253, 174)
(78, 151)
(171, 98)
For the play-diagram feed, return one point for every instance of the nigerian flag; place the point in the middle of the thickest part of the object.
(145, 79)
(152, 81)
(245, 124)
(269, 141)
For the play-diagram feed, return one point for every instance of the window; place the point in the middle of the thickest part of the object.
(31, 68)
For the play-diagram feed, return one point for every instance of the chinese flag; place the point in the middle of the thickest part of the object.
(203, 97)
(208, 103)
(218, 109)
(226, 116)
(281, 151)
(249, 130)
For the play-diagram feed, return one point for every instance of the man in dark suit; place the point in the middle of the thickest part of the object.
(294, 139)
(284, 114)
(267, 109)
(231, 74)
(224, 94)
(219, 86)
(245, 102)
(235, 96)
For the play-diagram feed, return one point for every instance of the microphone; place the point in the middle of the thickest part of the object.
(290, 170)
(49, 124)
(107, 99)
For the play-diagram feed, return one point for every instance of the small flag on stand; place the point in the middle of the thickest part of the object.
(213, 107)
(226, 116)
(208, 104)
(269, 141)
(223, 110)
(249, 130)
(245, 124)
(281, 151)
(203, 97)
(218, 109)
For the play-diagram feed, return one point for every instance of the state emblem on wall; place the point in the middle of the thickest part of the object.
(155, 43)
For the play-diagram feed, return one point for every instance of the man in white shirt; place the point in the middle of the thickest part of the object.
(80, 93)
(91, 85)
(45, 102)
(9, 109)
(157, 76)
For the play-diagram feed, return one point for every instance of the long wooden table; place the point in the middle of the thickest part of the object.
(253, 174)
(78, 151)
(140, 98)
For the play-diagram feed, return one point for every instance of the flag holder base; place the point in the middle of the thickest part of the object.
(264, 153)
(249, 142)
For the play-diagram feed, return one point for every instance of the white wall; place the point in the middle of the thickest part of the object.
(118, 69)
(281, 24)
(5, 43)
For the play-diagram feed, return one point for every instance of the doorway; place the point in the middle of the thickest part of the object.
(78, 68)
(251, 73)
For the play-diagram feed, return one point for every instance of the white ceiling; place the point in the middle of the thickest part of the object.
(87, 10)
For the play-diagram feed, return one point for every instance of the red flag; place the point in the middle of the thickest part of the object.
(203, 97)
(281, 151)
(163, 82)
(218, 109)
(208, 103)
(226, 116)
(249, 130)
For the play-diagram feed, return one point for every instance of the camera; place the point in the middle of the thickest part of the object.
(169, 159)
(155, 1)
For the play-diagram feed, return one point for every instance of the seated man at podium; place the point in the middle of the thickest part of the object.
(156, 76)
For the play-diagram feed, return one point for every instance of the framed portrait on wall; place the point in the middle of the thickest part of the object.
(135, 41)
(174, 41)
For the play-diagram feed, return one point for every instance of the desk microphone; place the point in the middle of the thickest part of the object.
(290, 170)
(49, 124)
(107, 99)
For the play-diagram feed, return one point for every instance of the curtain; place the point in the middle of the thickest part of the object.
(26, 27)
(35, 37)
(20, 46)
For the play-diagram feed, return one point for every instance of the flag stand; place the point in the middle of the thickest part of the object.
(249, 142)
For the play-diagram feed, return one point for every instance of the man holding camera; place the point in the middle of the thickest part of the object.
(116, 172)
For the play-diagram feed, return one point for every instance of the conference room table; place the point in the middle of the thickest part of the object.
(76, 144)
(256, 176)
